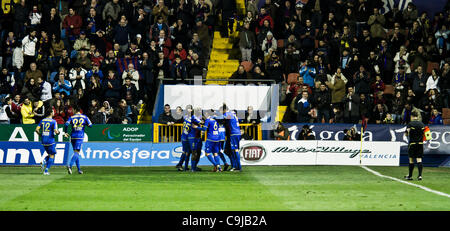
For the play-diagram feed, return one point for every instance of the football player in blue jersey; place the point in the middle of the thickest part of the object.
(195, 139)
(222, 134)
(212, 145)
(78, 123)
(234, 136)
(187, 151)
(49, 130)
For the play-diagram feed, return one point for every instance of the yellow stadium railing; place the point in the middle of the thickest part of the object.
(163, 133)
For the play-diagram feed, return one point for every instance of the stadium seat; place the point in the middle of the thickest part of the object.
(445, 113)
(389, 89)
(247, 65)
(292, 78)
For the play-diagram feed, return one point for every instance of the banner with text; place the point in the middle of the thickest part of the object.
(313, 152)
(30, 153)
(439, 143)
(132, 154)
(98, 132)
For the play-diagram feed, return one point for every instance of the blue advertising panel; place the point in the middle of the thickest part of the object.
(439, 144)
(132, 154)
(30, 153)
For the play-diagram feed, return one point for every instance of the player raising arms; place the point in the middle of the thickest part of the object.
(78, 122)
(234, 131)
(212, 145)
(49, 129)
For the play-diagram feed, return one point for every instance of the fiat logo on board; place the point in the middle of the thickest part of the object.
(253, 153)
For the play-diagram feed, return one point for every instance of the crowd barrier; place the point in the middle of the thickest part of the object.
(98, 132)
(163, 133)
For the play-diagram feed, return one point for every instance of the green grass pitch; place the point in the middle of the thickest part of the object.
(257, 188)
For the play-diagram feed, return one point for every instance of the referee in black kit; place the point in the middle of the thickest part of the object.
(414, 130)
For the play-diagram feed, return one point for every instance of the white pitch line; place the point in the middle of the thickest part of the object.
(406, 182)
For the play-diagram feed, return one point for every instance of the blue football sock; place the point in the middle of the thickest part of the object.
(222, 157)
(211, 159)
(49, 163)
(231, 160)
(193, 165)
(76, 159)
(182, 159)
(238, 159)
(186, 162)
(217, 160)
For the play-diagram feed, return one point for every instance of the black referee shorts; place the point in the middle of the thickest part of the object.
(415, 150)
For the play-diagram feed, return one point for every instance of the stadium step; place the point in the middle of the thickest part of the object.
(220, 65)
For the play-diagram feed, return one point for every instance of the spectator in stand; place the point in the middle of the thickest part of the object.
(46, 90)
(397, 106)
(379, 113)
(129, 92)
(27, 111)
(433, 81)
(436, 117)
(336, 84)
(166, 117)
(121, 34)
(62, 85)
(322, 101)
(133, 74)
(240, 73)
(7, 116)
(419, 82)
(59, 111)
(251, 116)
(362, 81)
(111, 88)
(31, 90)
(351, 106)
(406, 113)
(247, 42)
(178, 51)
(376, 23)
(72, 24)
(112, 9)
(33, 73)
(302, 107)
(178, 71)
(78, 77)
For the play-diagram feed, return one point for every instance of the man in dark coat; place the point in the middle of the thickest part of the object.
(229, 10)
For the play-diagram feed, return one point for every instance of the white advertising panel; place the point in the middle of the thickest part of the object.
(320, 153)
(213, 96)
(278, 152)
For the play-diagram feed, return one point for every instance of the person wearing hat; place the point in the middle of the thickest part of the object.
(82, 42)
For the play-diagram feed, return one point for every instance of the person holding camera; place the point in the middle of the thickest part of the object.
(306, 133)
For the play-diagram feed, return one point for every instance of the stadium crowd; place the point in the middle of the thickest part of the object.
(344, 61)
(105, 55)
(335, 61)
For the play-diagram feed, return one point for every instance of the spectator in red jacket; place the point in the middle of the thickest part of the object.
(72, 24)
(180, 51)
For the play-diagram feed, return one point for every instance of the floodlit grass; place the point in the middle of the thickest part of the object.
(261, 188)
